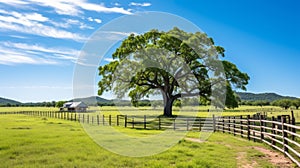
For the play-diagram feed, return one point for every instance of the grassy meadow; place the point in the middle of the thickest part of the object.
(28, 141)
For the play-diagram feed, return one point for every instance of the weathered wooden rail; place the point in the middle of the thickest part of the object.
(280, 133)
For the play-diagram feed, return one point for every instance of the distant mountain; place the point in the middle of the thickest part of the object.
(245, 96)
(4, 101)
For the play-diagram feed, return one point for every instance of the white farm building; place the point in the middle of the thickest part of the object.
(74, 106)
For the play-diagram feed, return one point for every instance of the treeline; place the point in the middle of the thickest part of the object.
(60, 104)
(39, 104)
(284, 103)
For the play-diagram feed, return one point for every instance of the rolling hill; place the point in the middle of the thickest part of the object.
(4, 101)
(245, 96)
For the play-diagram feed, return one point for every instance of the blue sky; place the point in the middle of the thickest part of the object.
(40, 40)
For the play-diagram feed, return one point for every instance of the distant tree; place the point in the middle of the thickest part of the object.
(60, 103)
(296, 103)
(261, 103)
(53, 104)
(284, 103)
(193, 48)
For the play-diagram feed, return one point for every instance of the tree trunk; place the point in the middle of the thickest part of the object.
(168, 107)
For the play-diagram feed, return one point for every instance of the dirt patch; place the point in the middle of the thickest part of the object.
(276, 158)
(194, 140)
(243, 162)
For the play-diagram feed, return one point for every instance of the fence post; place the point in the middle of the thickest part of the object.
(284, 134)
(88, 119)
(248, 127)
(109, 119)
(145, 122)
(187, 124)
(199, 123)
(125, 121)
(241, 126)
(261, 127)
(117, 120)
(214, 123)
(174, 124)
(103, 121)
(273, 131)
(98, 120)
(159, 123)
(234, 126)
(293, 123)
(229, 124)
(223, 124)
(132, 122)
(75, 117)
(92, 120)
(82, 118)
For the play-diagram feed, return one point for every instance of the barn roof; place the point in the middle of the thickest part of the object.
(74, 105)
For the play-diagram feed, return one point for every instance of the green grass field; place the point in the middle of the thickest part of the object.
(28, 141)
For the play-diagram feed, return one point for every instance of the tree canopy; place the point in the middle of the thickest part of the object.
(175, 64)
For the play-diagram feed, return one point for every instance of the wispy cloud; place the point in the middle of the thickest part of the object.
(35, 87)
(14, 2)
(19, 37)
(110, 35)
(11, 57)
(69, 7)
(94, 20)
(21, 53)
(145, 4)
(33, 23)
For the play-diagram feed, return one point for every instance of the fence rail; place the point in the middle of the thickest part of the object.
(280, 133)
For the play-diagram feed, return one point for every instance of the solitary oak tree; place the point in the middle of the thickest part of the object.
(175, 64)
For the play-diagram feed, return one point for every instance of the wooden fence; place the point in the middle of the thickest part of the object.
(280, 133)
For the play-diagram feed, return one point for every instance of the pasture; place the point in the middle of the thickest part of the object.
(35, 141)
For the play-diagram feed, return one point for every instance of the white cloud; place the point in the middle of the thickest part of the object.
(111, 35)
(94, 20)
(19, 37)
(36, 17)
(98, 20)
(69, 7)
(10, 57)
(90, 19)
(140, 4)
(41, 30)
(63, 53)
(85, 26)
(67, 23)
(14, 2)
(22, 53)
(32, 23)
